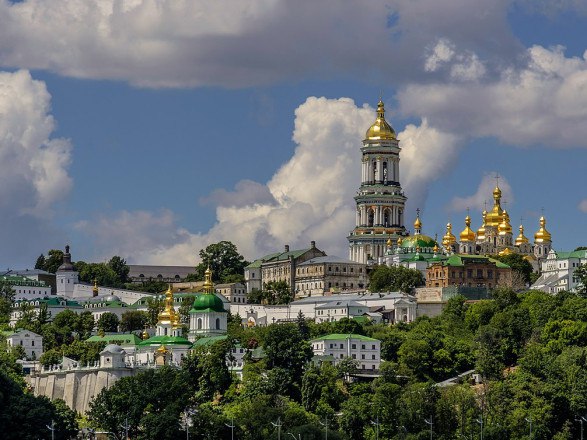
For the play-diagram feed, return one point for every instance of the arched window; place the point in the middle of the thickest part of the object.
(384, 172)
(386, 217)
(217, 323)
(199, 323)
(374, 171)
(371, 217)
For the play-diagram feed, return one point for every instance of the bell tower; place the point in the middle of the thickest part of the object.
(380, 200)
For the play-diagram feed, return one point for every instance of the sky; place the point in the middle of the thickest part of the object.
(150, 129)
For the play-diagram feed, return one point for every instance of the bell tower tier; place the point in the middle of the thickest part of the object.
(380, 200)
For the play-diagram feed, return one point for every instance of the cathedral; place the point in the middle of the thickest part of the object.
(380, 236)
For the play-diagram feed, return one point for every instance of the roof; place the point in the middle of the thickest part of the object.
(202, 342)
(28, 272)
(208, 302)
(18, 280)
(342, 337)
(459, 260)
(165, 340)
(418, 240)
(123, 339)
(328, 259)
(561, 255)
(113, 348)
(54, 301)
(338, 304)
(366, 296)
(148, 271)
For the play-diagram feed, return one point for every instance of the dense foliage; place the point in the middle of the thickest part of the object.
(393, 279)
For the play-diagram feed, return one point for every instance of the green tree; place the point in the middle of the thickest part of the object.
(223, 260)
(108, 322)
(6, 301)
(40, 263)
(286, 348)
(120, 268)
(53, 260)
(278, 292)
(184, 310)
(384, 278)
(133, 320)
(581, 274)
(154, 307)
(518, 264)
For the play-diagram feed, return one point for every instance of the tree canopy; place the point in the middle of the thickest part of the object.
(223, 259)
(384, 278)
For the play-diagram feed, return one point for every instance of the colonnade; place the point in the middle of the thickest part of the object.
(394, 215)
(372, 170)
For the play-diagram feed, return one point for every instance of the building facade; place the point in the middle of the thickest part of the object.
(233, 292)
(558, 271)
(364, 350)
(469, 271)
(31, 342)
(380, 200)
(322, 275)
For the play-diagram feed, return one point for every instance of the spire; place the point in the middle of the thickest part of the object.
(167, 315)
(521, 238)
(494, 217)
(481, 230)
(542, 235)
(449, 239)
(381, 128)
(66, 266)
(418, 223)
(208, 284)
(95, 288)
(467, 234)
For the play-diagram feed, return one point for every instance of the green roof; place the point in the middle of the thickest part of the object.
(418, 240)
(342, 336)
(206, 303)
(16, 280)
(573, 254)
(122, 339)
(209, 340)
(51, 301)
(458, 260)
(165, 340)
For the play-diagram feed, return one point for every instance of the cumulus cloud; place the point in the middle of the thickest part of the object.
(484, 195)
(583, 206)
(309, 198)
(544, 102)
(33, 174)
(197, 43)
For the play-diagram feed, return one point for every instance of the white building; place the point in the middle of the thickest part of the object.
(366, 351)
(25, 287)
(558, 271)
(322, 275)
(233, 292)
(393, 307)
(208, 316)
(30, 341)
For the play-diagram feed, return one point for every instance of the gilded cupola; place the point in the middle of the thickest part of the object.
(521, 238)
(449, 239)
(380, 130)
(542, 235)
(494, 217)
(481, 230)
(505, 227)
(208, 284)
(167, 315)
(418, 224)
(467, 234)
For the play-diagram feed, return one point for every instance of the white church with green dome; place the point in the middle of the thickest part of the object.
(207, 315)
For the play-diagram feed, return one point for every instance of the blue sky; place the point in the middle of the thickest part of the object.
(154, 129)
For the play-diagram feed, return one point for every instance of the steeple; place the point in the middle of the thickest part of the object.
(542, 235)
(380, 128)
(467, 234)
(521, 239)
(167, 315)
(494, 217)
(449, 239)
(66, 266)
(417, 223)
(208, 284)
(95, 288)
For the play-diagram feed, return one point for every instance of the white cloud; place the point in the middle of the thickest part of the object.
(483, 195)
(312, 193)
(544, 102)
(234, 44)
(33, 166)
(583, 206)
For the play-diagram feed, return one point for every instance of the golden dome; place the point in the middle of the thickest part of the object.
(145, 335)
(95, 288)
(389, 243)
(167, 315)
(506, 251)
(505, 227)
(418, 223)
(448, 239)
(467, 234)
(399, 241)
(481, 230)
(494, 217)
(162, 349)
(208, 284)
(380, 129)
(542, 234)
(520, 239)
(436, 249)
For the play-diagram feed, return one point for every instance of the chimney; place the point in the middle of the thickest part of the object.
(312, 244)
(287, 248)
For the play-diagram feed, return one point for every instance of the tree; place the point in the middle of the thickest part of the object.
(278, 292)
(40, 263)
(108, 322)
(154, 307)
(6, 300)
(581, 274)
(53, 260)
(120, 268)
(518, 264)
(286, 348)
(223, 260)
(133, 320)
(384, 278)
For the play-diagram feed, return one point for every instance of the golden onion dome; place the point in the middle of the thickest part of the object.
(380, 129)
(505, 227)
(436, 248)
(418, 223)
(494, 217)
(448, 239)
(399, 241)
(521, 239)
(467, 234)
(542, 235)
(208, 284)
(481, 230)
(167, 315)
(389, 243)
(145, 334)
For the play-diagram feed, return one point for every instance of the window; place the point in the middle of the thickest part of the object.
(362, 346)
(217, 323)
(341, 345)
(354, 346)
(32, 343)
(373, 347)
(362, 356)
(373, 356)
(199, 323)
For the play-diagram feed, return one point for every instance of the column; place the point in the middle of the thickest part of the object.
(379, 176)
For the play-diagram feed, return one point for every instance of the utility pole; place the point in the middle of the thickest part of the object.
(126, 427)
(431, 423)
(581, 419)
(325, 424)
(278, 425)
(52, 429)
(480, 421)
(376, 424)
(231, 426)
(529, 420)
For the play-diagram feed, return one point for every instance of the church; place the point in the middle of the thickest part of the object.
(380, 237)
